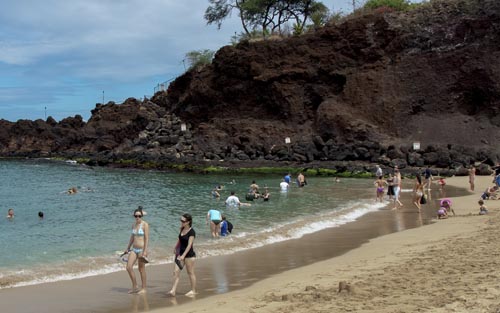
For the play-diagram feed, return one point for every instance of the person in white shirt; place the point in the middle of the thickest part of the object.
(284, 185)
(233, 201)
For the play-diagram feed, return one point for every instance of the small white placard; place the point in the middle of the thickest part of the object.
(416, 145)
(183, 127)
(287, 140)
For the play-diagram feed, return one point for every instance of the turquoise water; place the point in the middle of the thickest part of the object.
(82, 234)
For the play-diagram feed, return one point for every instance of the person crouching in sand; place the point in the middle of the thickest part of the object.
(139, 240)
(442, 213)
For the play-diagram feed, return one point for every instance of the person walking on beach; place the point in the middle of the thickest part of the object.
(185, 255)
(472, 177)
(418, 192)
(137, 250)
(428, 178)
(390, 186)
(397, 188)
(214, 217)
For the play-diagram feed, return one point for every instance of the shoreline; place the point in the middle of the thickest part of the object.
(447, 266)
(217, 276)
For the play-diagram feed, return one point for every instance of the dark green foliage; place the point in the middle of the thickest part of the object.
(199, 58)
(398, 5)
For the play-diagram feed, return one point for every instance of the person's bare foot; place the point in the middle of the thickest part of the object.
(141, 291)
(171, 293)
(191, 293)
(133, 290)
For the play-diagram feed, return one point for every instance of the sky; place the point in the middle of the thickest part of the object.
(60, 58)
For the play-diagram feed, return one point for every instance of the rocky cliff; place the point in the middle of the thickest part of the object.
(363, 90)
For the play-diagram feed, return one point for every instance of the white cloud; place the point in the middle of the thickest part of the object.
(65, 52)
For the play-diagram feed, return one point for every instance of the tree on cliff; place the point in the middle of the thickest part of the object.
(199, 58)
(266, 16)
(399, 5)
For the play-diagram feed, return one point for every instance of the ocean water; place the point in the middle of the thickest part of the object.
(82, 234)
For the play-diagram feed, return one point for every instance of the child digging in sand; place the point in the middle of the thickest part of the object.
(442, 213)
(446, 204)
(482, 208)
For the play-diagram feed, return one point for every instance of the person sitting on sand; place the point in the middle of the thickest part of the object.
(482, 208)
(490, 193)
(447, 206)
(442, 213)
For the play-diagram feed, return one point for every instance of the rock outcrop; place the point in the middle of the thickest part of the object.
(364, 90)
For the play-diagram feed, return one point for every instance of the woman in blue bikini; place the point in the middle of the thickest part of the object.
(137, 249)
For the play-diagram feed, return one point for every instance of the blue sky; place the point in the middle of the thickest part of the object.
(57, 57)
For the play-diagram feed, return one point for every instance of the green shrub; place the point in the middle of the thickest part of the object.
(398, 5)
(199, 58)
(326, 172)
(311, 172)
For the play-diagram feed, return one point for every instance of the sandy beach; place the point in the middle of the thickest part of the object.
(448, 266)
(443, 266)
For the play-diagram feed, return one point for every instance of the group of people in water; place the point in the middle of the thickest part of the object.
(184, 254)
(10, 214)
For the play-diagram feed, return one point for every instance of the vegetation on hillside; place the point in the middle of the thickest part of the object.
(268, 17)
(199, 58)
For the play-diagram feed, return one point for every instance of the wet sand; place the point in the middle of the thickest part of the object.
(447, 266)
(218, 277)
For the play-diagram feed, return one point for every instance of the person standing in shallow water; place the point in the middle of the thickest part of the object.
(137, 250)
(379, 185)
(418, 190)
(185, 255)
(397, 188)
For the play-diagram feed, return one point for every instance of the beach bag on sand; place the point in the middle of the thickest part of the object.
(423, 200)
